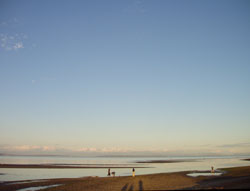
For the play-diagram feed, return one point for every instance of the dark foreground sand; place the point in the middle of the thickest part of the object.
(233, 178)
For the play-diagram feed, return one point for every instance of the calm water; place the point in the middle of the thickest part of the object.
(201, 163)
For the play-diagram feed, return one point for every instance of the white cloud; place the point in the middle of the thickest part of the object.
(10, 22)
(92, 151)
(85, 149)
(18, 45)
(48, 148)
(11, 42)
(24, 148)
(28, 148)
(137, 6)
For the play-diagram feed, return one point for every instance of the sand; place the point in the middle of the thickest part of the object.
(237, 177)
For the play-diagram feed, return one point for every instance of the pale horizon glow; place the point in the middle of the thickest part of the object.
(125, 77)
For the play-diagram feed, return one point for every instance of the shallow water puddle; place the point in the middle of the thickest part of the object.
(38, 187)
(204, 174)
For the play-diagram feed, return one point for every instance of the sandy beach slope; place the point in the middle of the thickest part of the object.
(237, 177)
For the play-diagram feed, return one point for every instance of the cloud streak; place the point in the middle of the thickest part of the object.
(235, 145)
(18, 45)
(10, 37)
(12, 42)
(230, 149)
(10, 22)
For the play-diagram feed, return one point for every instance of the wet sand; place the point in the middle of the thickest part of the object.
(232, 178)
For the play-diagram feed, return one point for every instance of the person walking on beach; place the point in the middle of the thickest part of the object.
(133, 172)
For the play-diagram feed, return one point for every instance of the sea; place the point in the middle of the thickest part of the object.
(192, 164)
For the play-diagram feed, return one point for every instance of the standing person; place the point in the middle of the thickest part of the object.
(212, 169)
(109, 172)
(133, 172)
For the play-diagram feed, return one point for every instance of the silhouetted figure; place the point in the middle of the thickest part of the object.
(109, 172)
(212, 169)
(131, 188)
(124, 188)
(141, 186)
(133, 172)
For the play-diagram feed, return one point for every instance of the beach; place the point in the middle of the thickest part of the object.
(125, 95)
(231, 178)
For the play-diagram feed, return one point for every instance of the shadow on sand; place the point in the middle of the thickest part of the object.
(131, 188)
(124, 188)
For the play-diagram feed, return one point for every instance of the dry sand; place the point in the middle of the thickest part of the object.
(238, 177)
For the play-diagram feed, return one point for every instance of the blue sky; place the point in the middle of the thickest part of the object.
(87, 77)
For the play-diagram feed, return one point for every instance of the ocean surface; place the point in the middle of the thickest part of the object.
(197, 163)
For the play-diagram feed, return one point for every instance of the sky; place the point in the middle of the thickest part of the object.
(162, 77)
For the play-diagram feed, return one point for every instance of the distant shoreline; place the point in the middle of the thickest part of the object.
(246, 159)
(66, 166)
(166, 161)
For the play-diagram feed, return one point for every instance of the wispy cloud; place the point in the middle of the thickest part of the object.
(230, 149)
(9, 22)
(12, 41)
(79, 150)
(85, 149)
(137, 6)
(45, 79)
(27, 148)
(18, 45)
(234, 145)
